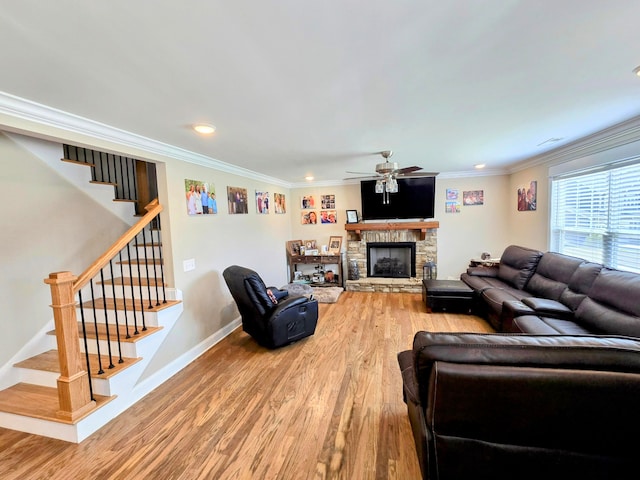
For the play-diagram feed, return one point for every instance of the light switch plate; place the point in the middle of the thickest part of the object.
(189, 265)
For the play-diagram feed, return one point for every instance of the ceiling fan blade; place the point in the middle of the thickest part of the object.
(361, 173)
(418, 174)
(407, 170)
(368, 177)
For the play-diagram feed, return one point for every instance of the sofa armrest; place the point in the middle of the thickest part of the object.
(548, 308)
(510, 310)
(483, 271)
(409, 380)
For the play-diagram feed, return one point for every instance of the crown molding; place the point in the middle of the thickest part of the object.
(30, 118)
(615, 136)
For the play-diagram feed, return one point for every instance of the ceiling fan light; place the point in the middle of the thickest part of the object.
(392, 185)
(379, 186)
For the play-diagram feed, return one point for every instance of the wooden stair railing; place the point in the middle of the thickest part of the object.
(74, 390)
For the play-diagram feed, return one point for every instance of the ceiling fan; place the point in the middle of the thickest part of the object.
(386, 174)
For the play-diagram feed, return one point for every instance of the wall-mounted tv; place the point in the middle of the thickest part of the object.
(415, 199)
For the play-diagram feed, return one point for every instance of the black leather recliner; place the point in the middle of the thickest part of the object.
(271, 325)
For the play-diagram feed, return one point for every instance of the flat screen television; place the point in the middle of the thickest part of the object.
(415, 199)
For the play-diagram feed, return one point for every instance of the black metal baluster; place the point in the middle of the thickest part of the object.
(137, 248)
(133, 295)
(113, 289)
(133, 177)
(124, 298)
(86, 346)
(106, 319)
(95, 323)
(122, 183)
(155, 266)
(146, 266)
(164, 293)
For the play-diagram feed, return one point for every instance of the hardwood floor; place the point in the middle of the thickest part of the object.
(327, 407)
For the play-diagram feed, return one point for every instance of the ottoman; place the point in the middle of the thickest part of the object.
(447, 296)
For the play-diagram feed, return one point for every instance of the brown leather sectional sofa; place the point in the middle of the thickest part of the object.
(552, 395)
(550, 293)
(504, 406)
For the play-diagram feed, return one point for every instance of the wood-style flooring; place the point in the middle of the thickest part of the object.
(327, 407)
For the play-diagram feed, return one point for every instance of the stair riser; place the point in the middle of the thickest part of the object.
(145, 294)
(146, 270)
(128, 349)
(150, 318)
(101, 386)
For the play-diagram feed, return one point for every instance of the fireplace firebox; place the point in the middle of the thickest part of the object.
(391, 259)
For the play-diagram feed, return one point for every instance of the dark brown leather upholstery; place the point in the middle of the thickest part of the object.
(523, 406)
(271, 325)
(564, 295)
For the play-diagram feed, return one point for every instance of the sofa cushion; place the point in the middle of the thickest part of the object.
(580, 284)
(612, 305)
(517, 264)
(552, 275)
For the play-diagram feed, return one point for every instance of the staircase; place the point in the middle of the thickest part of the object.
(85, 367)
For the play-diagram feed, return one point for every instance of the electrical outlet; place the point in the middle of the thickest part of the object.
(189, 265)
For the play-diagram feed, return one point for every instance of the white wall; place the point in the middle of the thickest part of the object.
(46, 225)
(476, 229)
(529, 228)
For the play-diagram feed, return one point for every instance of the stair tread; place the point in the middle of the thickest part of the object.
(48, 362)
(119, 304)
(134, 281)
(78, 162)
(39, 402)
(113, 336)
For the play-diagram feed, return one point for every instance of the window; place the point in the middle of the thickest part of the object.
(596, 216)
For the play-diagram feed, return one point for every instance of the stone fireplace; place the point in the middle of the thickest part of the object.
(422, 234)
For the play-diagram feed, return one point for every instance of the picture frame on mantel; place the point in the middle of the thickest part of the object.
(352, 216)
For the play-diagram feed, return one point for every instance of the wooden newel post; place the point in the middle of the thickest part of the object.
(73, 384)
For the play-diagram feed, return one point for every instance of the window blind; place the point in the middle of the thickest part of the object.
(596, 216)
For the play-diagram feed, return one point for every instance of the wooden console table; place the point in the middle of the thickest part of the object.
(294, 260)
(358, 228)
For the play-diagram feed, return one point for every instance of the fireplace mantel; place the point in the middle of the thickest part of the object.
(358, 228)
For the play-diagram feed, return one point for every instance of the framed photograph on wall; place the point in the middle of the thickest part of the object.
(527, 197)
(352, 216)
(309, 218)
(335, 244)
(307, 202)
(280, 203)
(237, 197)
(473, 197)
(262, 202)
(328, 216)
(201, 197)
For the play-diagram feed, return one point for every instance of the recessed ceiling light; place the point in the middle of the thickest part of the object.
(204, 128)
(479, 166)
(309, 177)
(637, 70)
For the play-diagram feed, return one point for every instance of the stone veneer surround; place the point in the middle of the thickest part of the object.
(426, 251)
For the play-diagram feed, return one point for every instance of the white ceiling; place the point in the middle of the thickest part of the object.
(299, 87)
